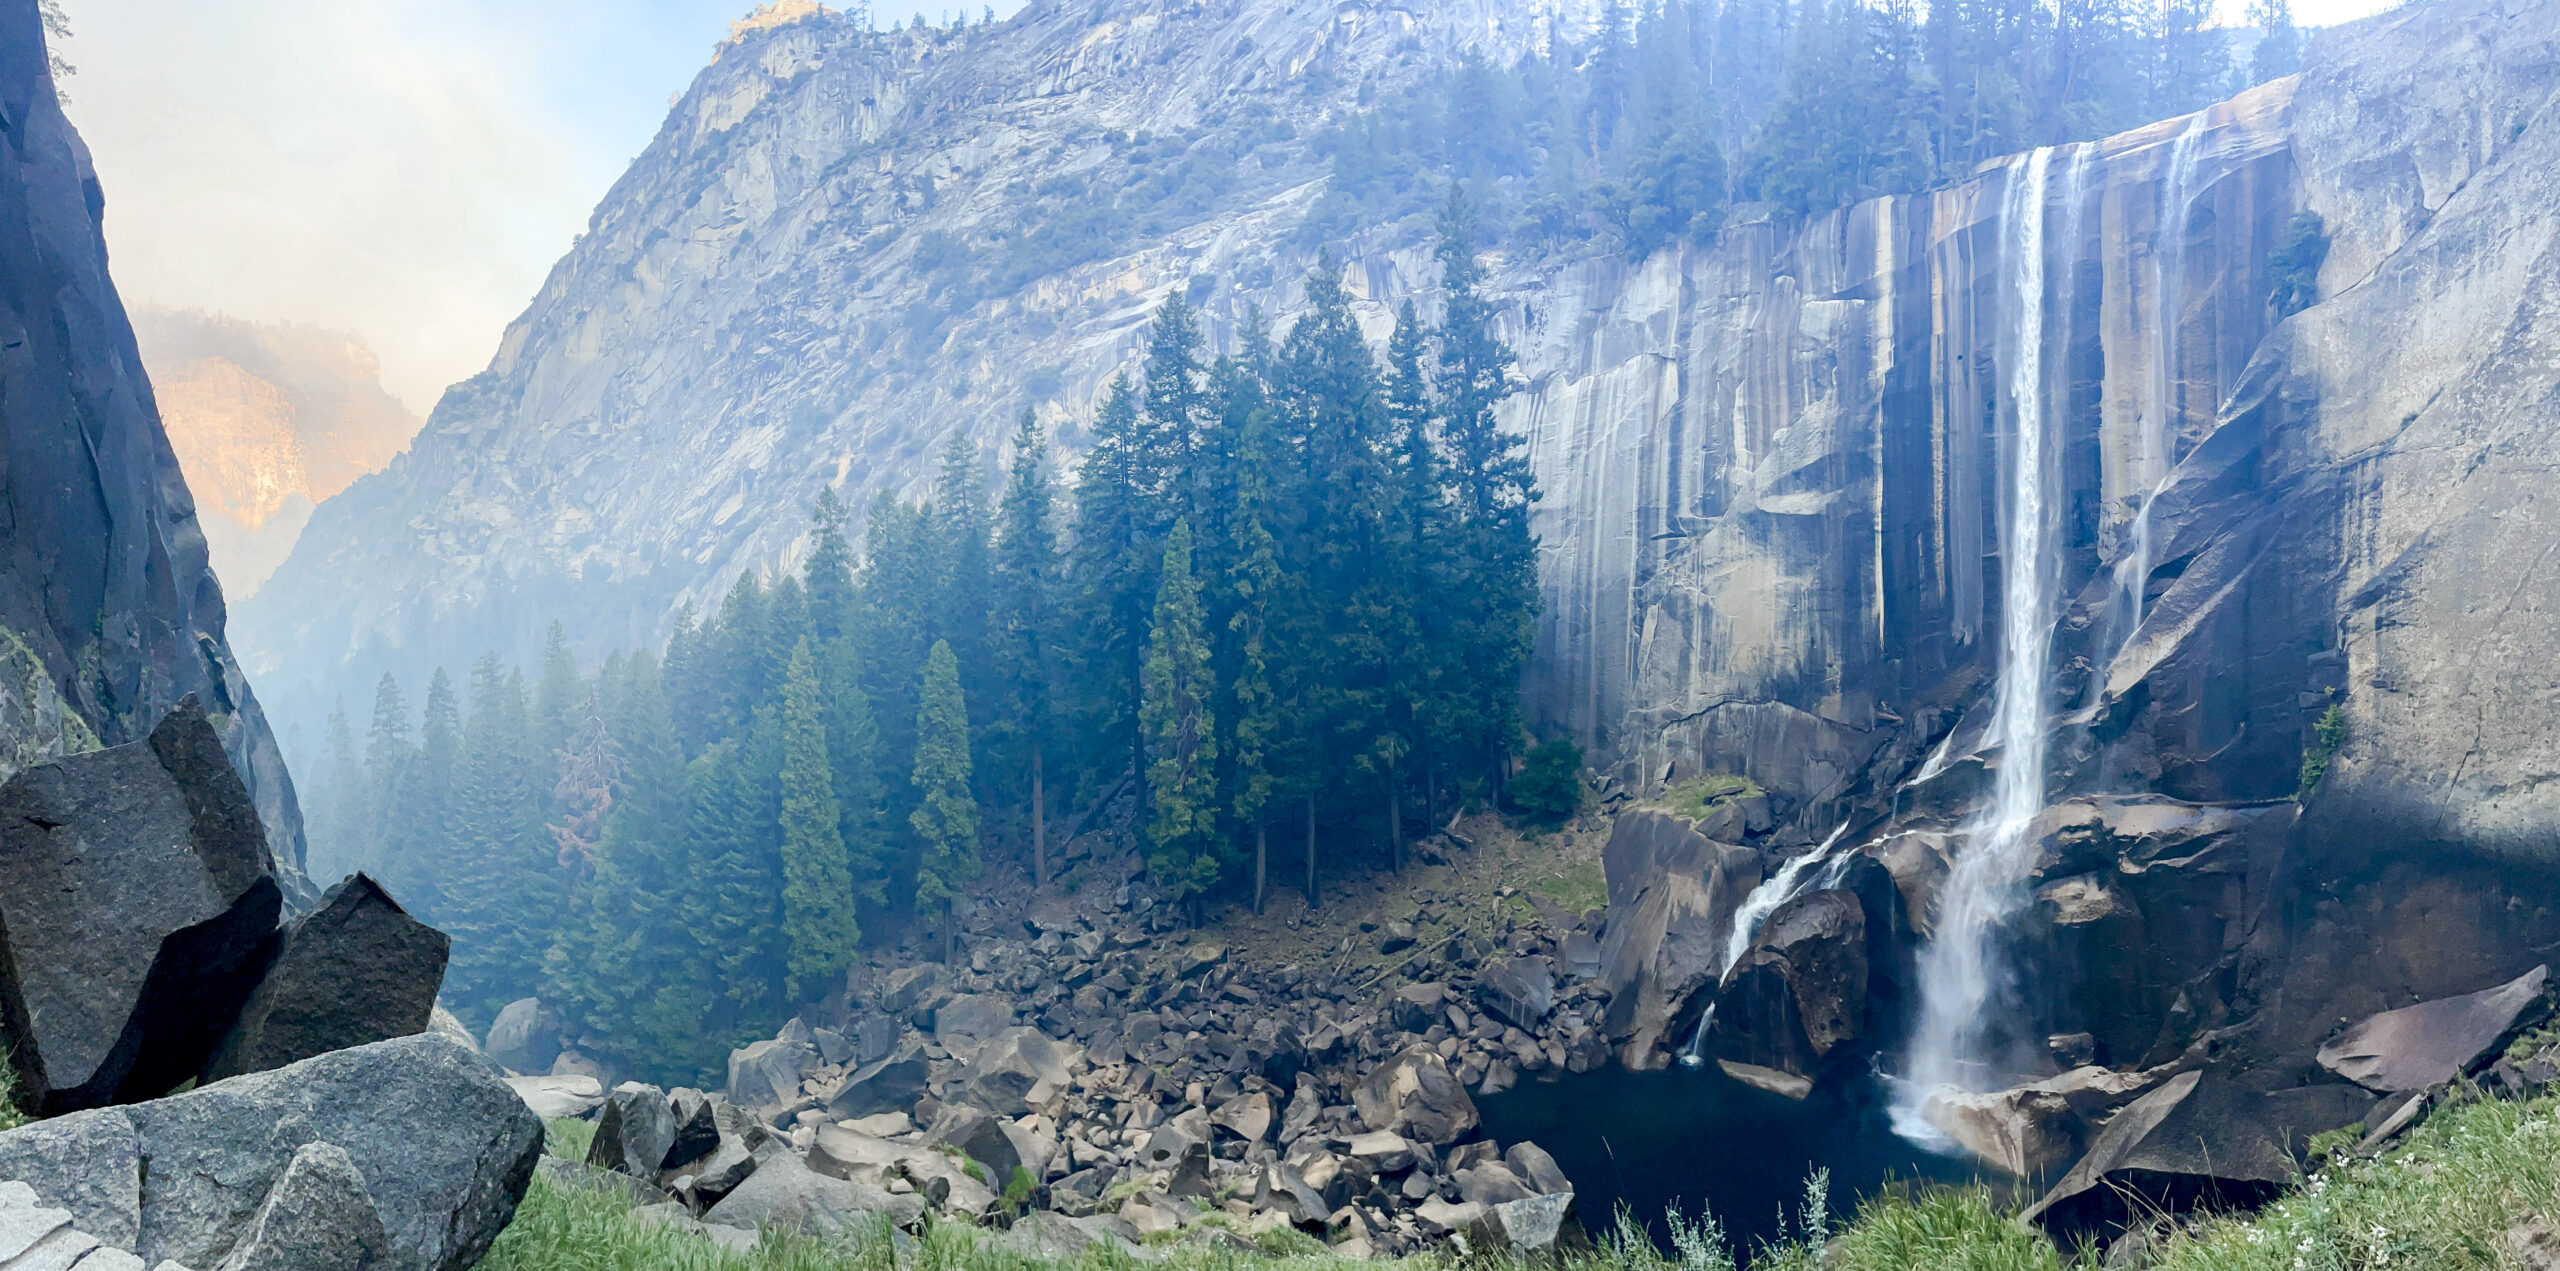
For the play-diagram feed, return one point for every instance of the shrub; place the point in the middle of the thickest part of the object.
(1549, 787)
(2327, 734)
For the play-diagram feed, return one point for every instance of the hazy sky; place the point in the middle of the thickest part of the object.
(406, 169)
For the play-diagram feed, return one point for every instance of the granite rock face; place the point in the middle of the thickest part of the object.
(111, 614)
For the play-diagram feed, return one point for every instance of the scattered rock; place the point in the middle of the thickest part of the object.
(358, 969)
(966, 1022)
(1520, 991)
(556, 1097)
(785, 1194)
(1536, 1227)
(887, 1085)
(767, 1074)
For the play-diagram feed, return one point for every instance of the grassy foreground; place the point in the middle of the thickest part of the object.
(2474, 1188)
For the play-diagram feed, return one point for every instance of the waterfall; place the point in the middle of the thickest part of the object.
(1995, 850)
(2168, 299)
(1763, 900)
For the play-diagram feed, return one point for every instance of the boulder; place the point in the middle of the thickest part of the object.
(873, 1036)
(318, 1214)
(1441, 1218)
(839, 1152)
(444, 1148)
(1284, 1189)
(1801, 991)
(525, 1037)
(137, 903)
(446, 1024)
(966, 1022)
(785, 1194)
(1541, 1226)
(552, 1098)
(633, 1135)
(2430, 1043)
(766, 1074)
(697, 1121)
(1014, 1071)
(1519, 991)
(1383, 1151)
(1491, 1183)
(1416, 1007)
(673, 1214)
(908, 986)
(1538, 1169)
(1171, 1142)
(1247, 1117)
(358, 969)
(1415, 1095)
(887, 1085)
(2203, 1139)
(997, 1145)
(1672, 894)
(1057, 1238)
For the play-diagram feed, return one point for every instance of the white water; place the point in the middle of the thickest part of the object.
(1763, 900)
(2159, 438)
(1958, 968)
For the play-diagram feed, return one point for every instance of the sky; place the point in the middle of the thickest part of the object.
(405, 169)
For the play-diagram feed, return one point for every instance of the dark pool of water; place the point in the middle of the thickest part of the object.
(1702, 1139)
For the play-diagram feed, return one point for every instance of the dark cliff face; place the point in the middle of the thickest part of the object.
(112, 613)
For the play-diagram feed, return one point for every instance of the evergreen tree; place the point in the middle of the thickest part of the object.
(855, 764)
(1114, 563)
(502, 892)
(339, 813)
(1181, 733)
(387, 757)
(817, 882)
(946, 816)
(1026, 585)
(832, 601)
(557, 696)
(960, 523)
(422, 821)
(2279, 49)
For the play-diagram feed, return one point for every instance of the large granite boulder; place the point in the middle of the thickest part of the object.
(2202, 1139)
(1672, 894)
(968, 1021)
(766, 1074)
(892, 1084)
(318, 1214)
(358, 969)
(1800, 993)
(1012, 1072)
(1415, 1095)
(442, 1148)
(784, 1193)
(636, 1131)
(137, 901)
(525, 1038)
(2419, 1046)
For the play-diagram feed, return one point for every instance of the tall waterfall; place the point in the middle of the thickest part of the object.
(1958, 970)
(2159, 415)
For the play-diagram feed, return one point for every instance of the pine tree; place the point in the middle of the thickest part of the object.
(855, 763)
(2279, 48)
(421, 847)
(817, 883)
(1181, 728)
(1026, 584)
(962, 590)
(387, 756)
(1114, 563)
(503, 891)
(946, 816)
(558, 693)
(829, 572)
(339, 812)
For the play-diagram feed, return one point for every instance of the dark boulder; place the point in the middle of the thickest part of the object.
(697, 1126)
(356, 970)
(767, 1074)
(1801, 991)
(2430, 1043)
(887, 1085)
(1520, 991)
(1415, 1095)
(634, 1132)
(442, 1146)
(1672, 894)
(137, 904)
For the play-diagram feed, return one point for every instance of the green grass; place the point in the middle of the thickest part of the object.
(11, 1115)
(1697, 796)
(2462, 1192)
(567, 1137)
(1579, 888)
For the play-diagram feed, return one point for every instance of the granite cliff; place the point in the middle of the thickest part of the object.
(2290, 371)
(112, 615)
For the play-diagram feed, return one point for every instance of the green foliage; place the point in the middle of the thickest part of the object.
(567, 1137)
(1018, 1189)
(1549, 786)
(2295, 266)
(946, 815)
(2328, 733)
(817, 878)
(1181, 732)
(1697, 796)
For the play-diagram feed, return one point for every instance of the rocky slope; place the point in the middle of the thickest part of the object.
(109, 612)
(268, 420)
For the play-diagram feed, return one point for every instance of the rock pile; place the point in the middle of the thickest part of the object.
(1086, 1072)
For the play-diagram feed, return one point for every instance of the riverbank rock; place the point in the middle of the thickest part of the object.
(443, 1148)
(136, 904)
(1672, 894)
(356, 970)
(2430, 1043)
(1800, 992)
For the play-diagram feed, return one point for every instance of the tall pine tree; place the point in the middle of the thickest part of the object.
(946, 816)
(1182, 747)
(817, 881)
